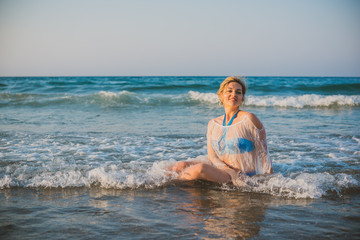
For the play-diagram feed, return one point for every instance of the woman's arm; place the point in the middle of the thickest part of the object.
(261, 144)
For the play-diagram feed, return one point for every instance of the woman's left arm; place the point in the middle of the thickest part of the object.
(262, 153)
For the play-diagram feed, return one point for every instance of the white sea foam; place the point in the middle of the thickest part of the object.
(301, 185)
(119, 162)
(109, 99)
(6, 182)
(308, 100)
(142, 174)
(132, 175)
(204, 97)
(113, 98)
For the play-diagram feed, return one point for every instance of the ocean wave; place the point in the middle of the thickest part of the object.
(148, 175)
(129, 175)
(303, 101)
(300, 185)
(118, 99)
(102, 98)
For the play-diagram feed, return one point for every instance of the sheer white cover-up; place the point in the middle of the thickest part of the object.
(240, 146)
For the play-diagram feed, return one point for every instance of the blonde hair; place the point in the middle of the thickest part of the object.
(239, 80)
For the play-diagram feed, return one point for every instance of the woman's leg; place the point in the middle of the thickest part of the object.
(180, 166)
(206, 172)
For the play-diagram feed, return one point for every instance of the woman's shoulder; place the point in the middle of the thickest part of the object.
(218, 120)
(253, 119)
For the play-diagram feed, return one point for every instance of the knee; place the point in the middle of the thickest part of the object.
(179, 166)
(200, 167)
(182, 165)
(198, 170)
(192, 173)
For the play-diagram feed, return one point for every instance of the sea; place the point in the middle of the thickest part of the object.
(88, 158)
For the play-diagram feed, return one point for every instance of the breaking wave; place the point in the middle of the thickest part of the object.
(136, 175)
(115, 162)
(123, 98)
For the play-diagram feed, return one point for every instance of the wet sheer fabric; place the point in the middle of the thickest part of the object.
(240, 146)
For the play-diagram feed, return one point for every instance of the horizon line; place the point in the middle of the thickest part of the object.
(320, 76)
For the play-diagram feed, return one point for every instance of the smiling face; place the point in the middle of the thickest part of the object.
(232, 95)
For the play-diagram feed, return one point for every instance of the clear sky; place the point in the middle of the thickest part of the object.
(179, 37)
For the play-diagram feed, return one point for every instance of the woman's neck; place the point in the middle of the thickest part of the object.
(230, 112)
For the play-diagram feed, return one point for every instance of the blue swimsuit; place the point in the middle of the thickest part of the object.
(233, 145)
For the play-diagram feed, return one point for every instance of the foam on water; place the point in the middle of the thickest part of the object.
(211, 98)
(114, 99)
(136, 174)
(122, 162)
(308, 100)
(124, 175)
(300, 185)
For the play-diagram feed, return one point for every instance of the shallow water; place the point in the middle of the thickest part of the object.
(86, 157)
(177, 211)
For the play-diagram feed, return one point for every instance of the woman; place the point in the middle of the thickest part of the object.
(236, 142)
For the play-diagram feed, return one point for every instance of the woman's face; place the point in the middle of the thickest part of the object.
(232, 95)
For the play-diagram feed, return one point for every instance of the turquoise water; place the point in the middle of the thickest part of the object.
(86, 157)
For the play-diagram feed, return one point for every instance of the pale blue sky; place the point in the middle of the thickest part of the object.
(184, 37)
